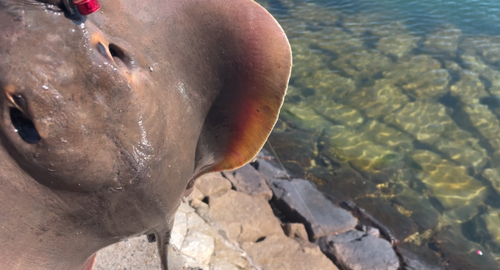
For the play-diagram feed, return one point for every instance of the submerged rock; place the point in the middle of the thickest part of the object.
(484, 46)
(303, 118)
(342, 184)
(464, 154)
(296, 150)
(444, 40)
(458, 193)
(412, 203)
(424, 120)
(460, 253)
(493, 174)
(411, 69)
(359, 150)
(327, 84)
(336, 113)
(485, 122)
(398, 222)
(362, 64)
(492, 219)
(398, 44)
(382, 99)
(432, 84)
(384, 135)
(309, 11)
(389, 28)
(469, 88)
(421, 76)
(419, 257)
(474, 63)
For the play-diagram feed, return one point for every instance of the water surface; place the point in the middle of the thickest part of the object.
(396, 105)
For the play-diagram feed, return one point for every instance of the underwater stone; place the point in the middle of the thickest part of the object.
(360, 151)
(400, 224)
(431, 84)
(303, 118)
(389, 28)
(328, 84)
(411, 69)
(362, 64)
(460, 253)
(444, 40)
(308, 11)
(492, 220)
(336, 41)
(359, 23)
(469, 88)
(412, 203)
(419, 257)
(305, 60)
(398, 44)
(342, 184)
(485, 46)
(485, 122)
(295, 147)
(384, 135)
(453, 66)
(450, 184)
(462, 153)
(493, 77)
(382, 99)
(470, 151)
(337, 113)
(493, 174)
(424, 120)
(474, 63)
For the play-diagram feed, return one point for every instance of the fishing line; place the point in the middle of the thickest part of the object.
(279, 161)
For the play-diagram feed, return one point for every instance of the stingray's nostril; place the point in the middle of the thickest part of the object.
(24, 126)
(120, 56)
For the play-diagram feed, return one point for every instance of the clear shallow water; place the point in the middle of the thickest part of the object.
(396, 106)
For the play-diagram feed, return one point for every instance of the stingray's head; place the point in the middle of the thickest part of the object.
(107, 121)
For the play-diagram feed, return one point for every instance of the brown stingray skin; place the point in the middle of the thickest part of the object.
(195, 86)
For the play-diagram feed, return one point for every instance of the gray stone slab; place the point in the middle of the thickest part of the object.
(271, 171)
(249, 181)
(301, 202)
(356, 250)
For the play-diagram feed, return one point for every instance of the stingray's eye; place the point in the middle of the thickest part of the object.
(23, 125)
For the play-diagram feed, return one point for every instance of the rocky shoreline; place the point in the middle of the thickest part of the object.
(256, 217)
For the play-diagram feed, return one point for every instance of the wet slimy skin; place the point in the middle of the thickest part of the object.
(106, 121)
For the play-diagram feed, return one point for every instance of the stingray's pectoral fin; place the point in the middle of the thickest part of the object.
(89, 264)
(256, 69)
